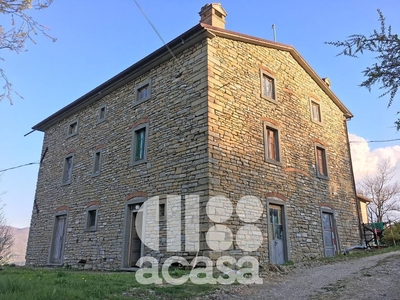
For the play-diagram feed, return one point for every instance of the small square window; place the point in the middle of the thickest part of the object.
(67, 169)
(321, 162)
(97, 158)
(268, 86)
(142, 92)
(139, 144)
(271, 144)
(91, 219)
(102, 113)
(316, 112)
(72, 128)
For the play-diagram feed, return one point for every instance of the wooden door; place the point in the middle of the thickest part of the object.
(276, 235)
(328, 234)
(135, 244)
(57, 251)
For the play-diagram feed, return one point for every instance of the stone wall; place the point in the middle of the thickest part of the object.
(177, 161)
(237, 166)
(205, 138)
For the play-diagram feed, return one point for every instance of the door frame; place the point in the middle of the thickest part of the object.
(125, 263)
(335, 231)
(53, 236)
(278, 202)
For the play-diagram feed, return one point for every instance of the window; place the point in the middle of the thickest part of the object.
(72, 128)
(101, 115)
(162, 210)
(271, 143)
(268, 86)
(67, 169)
(140, 141)
(91, 219)
(142, 92)
(322, 167)
(315, 112)
(139, 144)
(97, 158)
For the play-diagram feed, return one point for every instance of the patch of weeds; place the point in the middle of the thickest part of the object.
(176, 272)
(289, 263)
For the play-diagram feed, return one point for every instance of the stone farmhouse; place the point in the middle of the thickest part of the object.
(227, 115)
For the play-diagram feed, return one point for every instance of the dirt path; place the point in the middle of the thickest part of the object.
(373, 277)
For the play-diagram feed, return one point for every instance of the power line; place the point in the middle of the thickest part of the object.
(378, 141)
(24, 165)
(155, 29)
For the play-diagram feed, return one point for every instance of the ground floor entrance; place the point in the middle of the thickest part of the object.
(329, 234)
(277, 235)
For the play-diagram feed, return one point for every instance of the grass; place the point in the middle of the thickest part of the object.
(359, 253)
(21, 283)
(26, 283)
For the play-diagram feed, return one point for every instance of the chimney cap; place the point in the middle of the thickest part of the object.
(213, 14)
(327, 81)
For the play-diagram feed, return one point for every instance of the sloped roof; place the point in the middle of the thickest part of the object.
(177, 45)
(363, 198)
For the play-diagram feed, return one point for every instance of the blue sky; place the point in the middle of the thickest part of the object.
(96, 39)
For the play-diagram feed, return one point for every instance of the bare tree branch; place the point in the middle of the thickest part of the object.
(383, 191)
(17, 28)
(6, 237)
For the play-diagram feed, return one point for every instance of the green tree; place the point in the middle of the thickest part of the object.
(386, 70)
(16, 29)
(391, 235)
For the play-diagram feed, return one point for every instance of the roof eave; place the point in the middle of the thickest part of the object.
(363, 198)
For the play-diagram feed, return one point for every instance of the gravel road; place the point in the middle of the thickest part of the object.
(373, 277)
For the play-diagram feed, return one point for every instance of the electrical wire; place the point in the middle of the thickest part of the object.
(378, 141)
(155, 29)
(16, 167)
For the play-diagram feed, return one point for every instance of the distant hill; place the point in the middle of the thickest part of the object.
(19, 248)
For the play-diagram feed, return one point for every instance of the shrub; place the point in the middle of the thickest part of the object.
(391, 235)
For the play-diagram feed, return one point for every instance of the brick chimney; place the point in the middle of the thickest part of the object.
(213, 14)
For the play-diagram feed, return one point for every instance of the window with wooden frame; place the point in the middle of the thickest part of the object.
(271, 143)
(268, 86)
(142, 92)
(139, 144)
(67, 169)
(321, 161)
(315, 111)
(72, 128)
(97, 159)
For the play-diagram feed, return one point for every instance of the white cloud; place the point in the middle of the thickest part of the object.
(365, 161)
